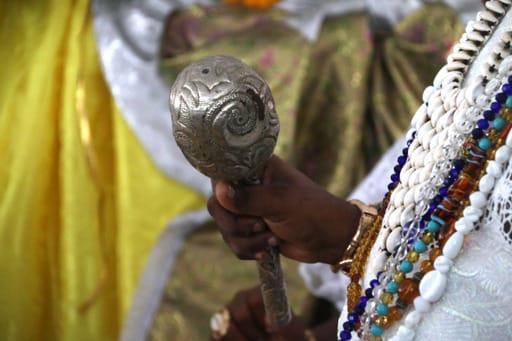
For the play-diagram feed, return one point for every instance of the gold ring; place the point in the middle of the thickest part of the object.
(219, 323)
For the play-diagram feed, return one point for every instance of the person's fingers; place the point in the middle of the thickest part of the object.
(235, 225)
(260, 200)
(249, 248)
(242, 315)
(234, 333)
(257, 307)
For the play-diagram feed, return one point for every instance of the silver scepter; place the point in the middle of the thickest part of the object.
(225, 123)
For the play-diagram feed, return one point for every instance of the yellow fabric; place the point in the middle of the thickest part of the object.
(81, 203)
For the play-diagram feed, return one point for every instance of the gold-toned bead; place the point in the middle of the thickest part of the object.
(413, 256)
(381, 320)
(374, 338)
(399, 276)
(427, 237)
(387, 298)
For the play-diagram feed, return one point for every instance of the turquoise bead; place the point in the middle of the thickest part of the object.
(420, 246)
(437, 220)
(432, 226)
(508, 102)
(392, 287)
(382, 309)
(406, 266)
(376, 330)
(499, 123)
(484, 143)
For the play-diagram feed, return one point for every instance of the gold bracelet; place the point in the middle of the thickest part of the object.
(309, 336)
(368, 216)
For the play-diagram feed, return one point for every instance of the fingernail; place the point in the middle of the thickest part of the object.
(272, 241)
(231, 192)
(258, 227)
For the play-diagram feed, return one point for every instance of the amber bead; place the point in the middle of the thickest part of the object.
(434, 253)
(464, 183)
(399, 276)
(427, 237)
(374, 338)
(426, 266)
(446, 231)
(394, 314)
(408, 290)
(504, 132)
(413, 256)
(450, 204)
(387, 298)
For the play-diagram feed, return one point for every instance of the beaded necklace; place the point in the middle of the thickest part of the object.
(433, 225)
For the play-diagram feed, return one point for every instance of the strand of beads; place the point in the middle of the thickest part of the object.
(497, 143)
(410, 234)
(354, 302)
(431, 122)
(442, 213)
(462, 179)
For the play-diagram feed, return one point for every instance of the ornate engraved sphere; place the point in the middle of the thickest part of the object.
(224, 118)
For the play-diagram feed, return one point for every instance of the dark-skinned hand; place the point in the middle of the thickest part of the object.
(247, 320)
(305, 221)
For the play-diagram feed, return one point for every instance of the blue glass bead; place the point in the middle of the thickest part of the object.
(344, 335)
(433, 226)
(358, 309)
(363, 300)
(458, 164)
(395, 177)
(391, 186)
(374, 283)
(397, 169)
(499, 123)
(444, 191)
(405, 151)
(454, 173)
(392, 287)
(376, 330)
(438, 198)
(501, 97)
(483, 124)
(510, 79)
(489, 115)
(382, 309)
(432, 207)
(401, 160)
(507, 89)
(484, 143)
(496, 107)
(354, 318)
(406, 266)
(380, 273)
(508, 102)
(368, 293)
(477, 133)
(420, 246)
(348, 326)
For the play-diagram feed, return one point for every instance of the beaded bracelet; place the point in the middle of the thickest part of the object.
(368, 216)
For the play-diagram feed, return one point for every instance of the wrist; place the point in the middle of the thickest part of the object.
(343, 227)
(367, 215)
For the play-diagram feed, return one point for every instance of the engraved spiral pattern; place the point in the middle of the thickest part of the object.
(224, 118)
